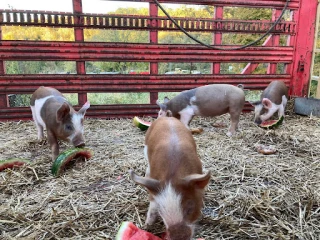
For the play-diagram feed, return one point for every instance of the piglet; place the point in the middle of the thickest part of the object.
(51, 111)
(174, 177)
(206, 101)
(273, 99)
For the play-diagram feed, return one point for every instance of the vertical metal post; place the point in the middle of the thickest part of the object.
(290, 42)
(153, 38)
(272, 67)
(303, 48)
(79, 37)
(217, 38)
(3, 97)
(315, 50)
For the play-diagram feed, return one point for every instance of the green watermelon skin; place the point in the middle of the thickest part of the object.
(274, 124)
(143, 125)
(128, 231)
(66, 156)
(12, 162)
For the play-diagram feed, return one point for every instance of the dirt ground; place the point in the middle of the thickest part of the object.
(250, 195)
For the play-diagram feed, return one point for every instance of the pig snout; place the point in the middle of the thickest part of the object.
(258, 121)
(179, 232)
(78, 141)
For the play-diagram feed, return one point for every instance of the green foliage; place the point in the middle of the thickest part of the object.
(19, 100)
(119, 98)
(39, 67)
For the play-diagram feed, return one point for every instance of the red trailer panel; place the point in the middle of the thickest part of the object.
(295, 56)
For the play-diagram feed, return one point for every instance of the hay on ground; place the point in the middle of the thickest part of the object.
(250, 195)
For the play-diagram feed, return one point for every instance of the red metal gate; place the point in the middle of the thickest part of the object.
(295, 55)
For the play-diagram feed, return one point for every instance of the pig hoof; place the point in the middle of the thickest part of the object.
(229, 134)
(80, 145)
(196, 130)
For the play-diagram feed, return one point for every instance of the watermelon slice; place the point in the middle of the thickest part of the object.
(12, 162)
(143, 125)
(65, 157)
(272, 123)
(129, 231)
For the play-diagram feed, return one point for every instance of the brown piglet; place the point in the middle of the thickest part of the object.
(174, 177)
(206, 101)
(51, 111)
(273, 99)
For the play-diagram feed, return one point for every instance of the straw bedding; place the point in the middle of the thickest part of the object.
(250, 195)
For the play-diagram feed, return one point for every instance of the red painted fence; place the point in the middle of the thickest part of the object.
(296, 55)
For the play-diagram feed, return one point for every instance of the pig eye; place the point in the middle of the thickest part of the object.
(69, 127)
(189, 207)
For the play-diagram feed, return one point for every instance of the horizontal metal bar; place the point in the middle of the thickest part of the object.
(96, 111)
(70, 51)
(135, 22)
(293, 4)
(26, 84)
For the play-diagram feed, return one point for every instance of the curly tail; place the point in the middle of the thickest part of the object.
(240, 86)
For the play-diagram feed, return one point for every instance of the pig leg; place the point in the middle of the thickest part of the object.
(53, 141)
(186, 115)
(234, 123)
(38, 125)
(282, 106)
(152, 213)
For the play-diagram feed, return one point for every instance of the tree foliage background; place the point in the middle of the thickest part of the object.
(127, 36)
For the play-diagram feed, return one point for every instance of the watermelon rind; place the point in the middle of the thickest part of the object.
(129, 231)
(122, 230)
(273, 125)
(143, 125)
(12, 162)
(66, 156)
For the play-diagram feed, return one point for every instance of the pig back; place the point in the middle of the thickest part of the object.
(217, 99)
(43, 92)
(171, 150)
(275, 91)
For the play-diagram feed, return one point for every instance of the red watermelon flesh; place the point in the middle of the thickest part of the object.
(272, 123)
(268, 122)
(12, 162)
(128, 231)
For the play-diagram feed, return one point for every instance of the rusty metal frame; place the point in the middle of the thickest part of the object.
(296, 55)
(135, 22)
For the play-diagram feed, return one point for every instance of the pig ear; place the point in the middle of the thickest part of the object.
(151, 184)
(266, 103)
(63, 111)
(169, 113)
(162, 106)
(84, 108)
(198, 180)
(166, 99)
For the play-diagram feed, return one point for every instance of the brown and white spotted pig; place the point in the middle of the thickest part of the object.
(51, 111)
(206, 101)
(174, 177)
(273, 99)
